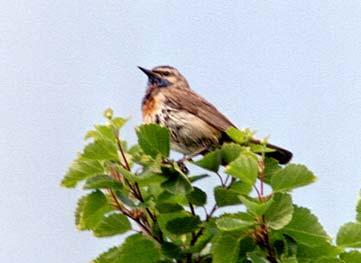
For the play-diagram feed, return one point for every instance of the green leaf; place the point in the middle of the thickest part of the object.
(225, 197)
(154, 140)
(177, 183)
(171, 250)
(168, 197)
(123, 196)
(241, 188)
(271, 166)
(108, 113)
(289, 260)
(111, 225)
(230, 152)
(349, 235)
(287, 247)
(245, 168)
(211, 161)
(197, 197)
(292, 176)
(195, 178)
(351, 256)
(256, 207)
(329, 260)
(358, 209)
(260, 148)
(208, 233)
(183, 225)
(102, 182)
(280, 211)
(101, 150)
(101, 132)
(164, 218)
(136, 247)
(150, 179)
(127, 174)
(238, 136)
(79, 212)
(147, 177)
(247, 245)
(109, 256)
(225, 248)
(90, 210)
(309, 254)
(257, 257)
(231, 224)
(136, 152)
(80, 170)
(167, 207)
(118, 122)
(305, 228)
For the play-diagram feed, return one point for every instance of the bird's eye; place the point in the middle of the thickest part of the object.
(166, 73)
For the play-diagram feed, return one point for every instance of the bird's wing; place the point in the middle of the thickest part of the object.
(190, 101)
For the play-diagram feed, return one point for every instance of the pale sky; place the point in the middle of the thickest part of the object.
(289, 69)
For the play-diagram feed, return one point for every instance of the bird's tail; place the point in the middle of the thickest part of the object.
(283, 156)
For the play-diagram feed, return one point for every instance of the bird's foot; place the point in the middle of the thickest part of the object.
(181, 164)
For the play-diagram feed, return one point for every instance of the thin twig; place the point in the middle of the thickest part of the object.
(261, 175)
(189, 256)
(192, 208)
(205, 210)
(260, 198)
(227, 178)
(196, 236)
(220, 178)
(120, 147)
(210, 214)
(213, 210)
(200, 231)
(136, 189)
(125, 212)
(231, 182)
(271, 254)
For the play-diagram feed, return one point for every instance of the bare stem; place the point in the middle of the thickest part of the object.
(120, 147)
(258, 193)
(227, 178)
(261, 176)
(192, 208)
(265, 242)
(124, 211)
(271, 254)
(213, 210)
(135, 189)
(220, 178)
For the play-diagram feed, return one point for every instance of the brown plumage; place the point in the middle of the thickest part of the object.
(195, 125)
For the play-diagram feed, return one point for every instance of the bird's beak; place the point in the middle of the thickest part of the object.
(154, 78)
(147, 72)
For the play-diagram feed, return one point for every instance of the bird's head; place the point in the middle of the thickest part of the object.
(165, 77)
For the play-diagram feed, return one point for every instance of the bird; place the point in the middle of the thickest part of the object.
(195, 125)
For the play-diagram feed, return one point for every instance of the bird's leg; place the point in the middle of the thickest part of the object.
(185, 158)
(182, 165)
(190, 156)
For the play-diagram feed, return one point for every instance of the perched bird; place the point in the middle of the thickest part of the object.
(195, 125)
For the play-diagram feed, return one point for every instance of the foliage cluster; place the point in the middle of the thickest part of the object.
(140, 191)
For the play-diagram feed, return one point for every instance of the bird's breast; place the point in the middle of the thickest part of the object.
(188, 133)
(152, 104)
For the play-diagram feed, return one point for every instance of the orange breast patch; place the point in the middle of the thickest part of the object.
(151, 104)
(149, 107)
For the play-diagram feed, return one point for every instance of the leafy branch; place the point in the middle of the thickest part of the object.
(140, 188)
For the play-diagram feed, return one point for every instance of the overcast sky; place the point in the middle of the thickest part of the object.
(289, 69)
